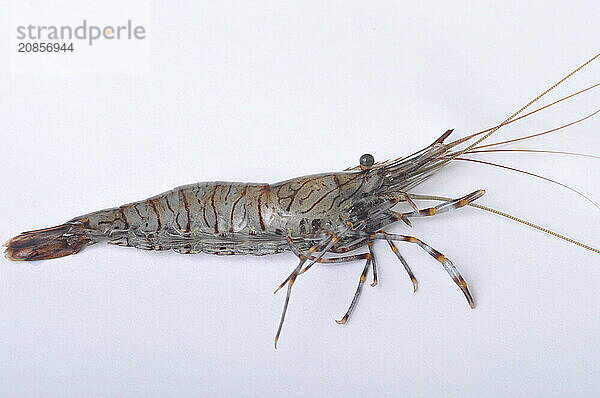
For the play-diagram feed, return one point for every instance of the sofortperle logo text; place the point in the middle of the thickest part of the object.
(87, 32)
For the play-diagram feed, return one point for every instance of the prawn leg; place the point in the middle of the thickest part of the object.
(361, 282)
(373, 264)
(446, 263)
(442, 259)
(442, 207)
(404, 263)
(291, 279)
(363, 256)
(348, 248)
(290, 282)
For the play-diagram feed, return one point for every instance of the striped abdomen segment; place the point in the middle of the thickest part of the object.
(211, 208)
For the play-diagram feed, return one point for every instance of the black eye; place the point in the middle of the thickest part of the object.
(367, 160)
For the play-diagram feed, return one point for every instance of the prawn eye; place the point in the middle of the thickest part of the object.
(367, 160)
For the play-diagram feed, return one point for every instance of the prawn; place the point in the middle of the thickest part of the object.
(320, 218)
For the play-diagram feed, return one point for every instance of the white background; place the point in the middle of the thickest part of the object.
(265, 91)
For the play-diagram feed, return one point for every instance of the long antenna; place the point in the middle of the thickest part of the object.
(511, 217)
(511, 117)
(533, 175)
(538, 134)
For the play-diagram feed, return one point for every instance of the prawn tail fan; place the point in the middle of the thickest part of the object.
(54, 242)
